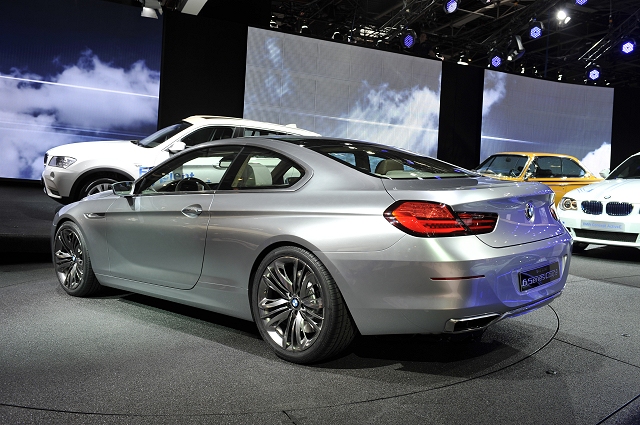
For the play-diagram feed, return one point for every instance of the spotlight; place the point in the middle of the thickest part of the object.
(408, 39)
(495, 59)
(515, 49)
(581, 2)
(535, 29)
(151, 8)
(486, 1)
(593, 73)
(628, 46)
(450, 6)
(148, 12)
(562, 17)
(304, 29)
(463, 60)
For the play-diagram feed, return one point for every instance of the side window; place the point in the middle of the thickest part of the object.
(347, 157)
(259, 132)
(261, 168)
(201, 135)
(571, 169)
(549, 166)
(222, 133)
(197, 171)
(207, 134)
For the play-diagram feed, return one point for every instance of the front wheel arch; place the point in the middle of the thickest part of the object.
(88, 176)
(72, 260)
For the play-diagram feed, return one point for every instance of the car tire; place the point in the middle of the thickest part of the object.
(579, 246)
(298, 307)
(96, 185)
(72, 262)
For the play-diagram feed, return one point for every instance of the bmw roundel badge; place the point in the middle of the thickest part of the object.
(529, 211)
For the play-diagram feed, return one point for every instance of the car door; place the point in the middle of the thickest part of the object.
(157, 235)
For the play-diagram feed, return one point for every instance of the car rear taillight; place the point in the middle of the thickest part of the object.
(433, 219)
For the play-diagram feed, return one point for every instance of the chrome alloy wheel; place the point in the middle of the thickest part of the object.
(69, 258)
(290, 303)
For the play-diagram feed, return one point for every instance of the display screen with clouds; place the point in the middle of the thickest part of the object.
(526, 114)
(343, 90)
(73, 71)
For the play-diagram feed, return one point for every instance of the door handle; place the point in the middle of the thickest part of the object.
(192, 210)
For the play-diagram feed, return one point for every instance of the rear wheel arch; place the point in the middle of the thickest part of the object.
(337, 322)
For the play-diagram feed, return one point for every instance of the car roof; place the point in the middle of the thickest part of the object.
(220, 120)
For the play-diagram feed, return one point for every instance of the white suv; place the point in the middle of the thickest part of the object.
(75, 170)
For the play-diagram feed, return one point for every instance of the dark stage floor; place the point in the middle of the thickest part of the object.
(121, 358)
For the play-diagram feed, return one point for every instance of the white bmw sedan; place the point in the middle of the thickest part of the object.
(608, 212)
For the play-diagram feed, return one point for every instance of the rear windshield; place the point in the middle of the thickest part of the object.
(383, 161)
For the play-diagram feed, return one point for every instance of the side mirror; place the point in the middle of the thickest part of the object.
(225, 162)
(123, 188)
(177, 147)
(605, 173)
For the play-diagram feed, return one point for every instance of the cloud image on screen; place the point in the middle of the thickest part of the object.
(525, 114)
(342, 90)
(62, 96)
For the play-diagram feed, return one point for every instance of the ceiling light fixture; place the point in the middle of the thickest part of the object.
(562, 17)
(495, 59)
(515, 49)
(408, 38)
(535, 29)
(628, 46)
(593, 73)
(150, 7)
(450, 6)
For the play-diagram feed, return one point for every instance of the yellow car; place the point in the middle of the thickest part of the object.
(561, 173)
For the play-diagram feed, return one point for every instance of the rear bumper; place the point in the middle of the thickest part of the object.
(467, 324)
(431, 285)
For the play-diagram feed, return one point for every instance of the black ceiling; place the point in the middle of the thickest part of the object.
(592, 36)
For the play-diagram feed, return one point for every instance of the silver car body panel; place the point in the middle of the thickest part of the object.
(392, 282)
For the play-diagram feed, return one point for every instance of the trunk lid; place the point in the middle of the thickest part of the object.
(523, 208)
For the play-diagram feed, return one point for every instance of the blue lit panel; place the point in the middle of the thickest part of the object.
(535, 32)
(408, 41)
(628, 47)
(451, 6)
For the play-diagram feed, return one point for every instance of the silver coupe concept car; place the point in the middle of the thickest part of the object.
(316, 239)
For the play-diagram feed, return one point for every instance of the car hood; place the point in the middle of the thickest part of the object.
(82, 150)
(626, 190)
(507, 199)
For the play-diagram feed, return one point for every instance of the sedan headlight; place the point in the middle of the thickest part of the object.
(61, 161)
(568, 204)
